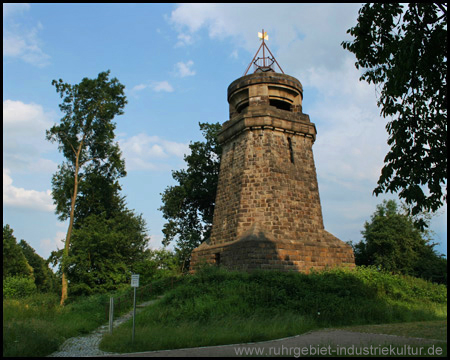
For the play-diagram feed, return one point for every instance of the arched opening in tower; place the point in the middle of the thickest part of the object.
(242, 107)
(280, 104)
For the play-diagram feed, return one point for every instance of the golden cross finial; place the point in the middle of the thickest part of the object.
(263, 35)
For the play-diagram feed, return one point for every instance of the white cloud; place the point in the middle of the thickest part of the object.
(144, 152)
(21, 40)
(25, 199)
(184, 69)
(184, 39)
(351, 139)
(57, 243)
(139, 87)
(10, 9)
(20, 117)
(24, 141)
(155, 241)
(162, 86)
(303, 35)
(157, 86)
(193, 16)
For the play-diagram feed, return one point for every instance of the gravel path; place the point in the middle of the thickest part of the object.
(88, 345)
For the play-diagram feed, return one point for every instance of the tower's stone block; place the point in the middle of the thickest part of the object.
(268, 213)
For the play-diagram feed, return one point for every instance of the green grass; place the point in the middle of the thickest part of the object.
(216, 307)
(37, 325)
(421, 329)
(197, 333)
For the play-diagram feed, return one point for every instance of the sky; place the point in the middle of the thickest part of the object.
(176, 62)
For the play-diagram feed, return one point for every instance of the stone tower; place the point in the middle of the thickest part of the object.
(268, 213)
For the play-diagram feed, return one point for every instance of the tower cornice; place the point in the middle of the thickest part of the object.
(267, 118)
(269, 77)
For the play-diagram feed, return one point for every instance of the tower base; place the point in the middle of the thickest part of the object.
(257, 249)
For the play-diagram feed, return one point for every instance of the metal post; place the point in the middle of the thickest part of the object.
(264, 56)
(134, 312)
(111, 314)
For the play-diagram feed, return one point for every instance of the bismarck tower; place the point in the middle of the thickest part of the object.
(268, 213)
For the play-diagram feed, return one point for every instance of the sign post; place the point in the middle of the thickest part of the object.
(135, 284)
(111, 314)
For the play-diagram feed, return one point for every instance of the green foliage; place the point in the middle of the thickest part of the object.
(14, 261)
(22, 267)
(104, 251)
(393, 242)
(189, 206)
(45, 279)
(18, 287)
(432, 267)
(156, 264)
(98, 194)
(85, 136)
(404, 51)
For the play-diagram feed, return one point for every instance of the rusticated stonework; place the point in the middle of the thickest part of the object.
(268, 213)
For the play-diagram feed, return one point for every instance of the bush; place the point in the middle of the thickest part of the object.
(18, 287)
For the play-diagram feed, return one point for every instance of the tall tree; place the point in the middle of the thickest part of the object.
(14, 261)
(85, 136)
(107, 241)
(189, 206)
(44, 278)
(392, 241)
(404, 51)
(104, 251)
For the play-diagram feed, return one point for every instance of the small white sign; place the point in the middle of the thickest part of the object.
(135, 280)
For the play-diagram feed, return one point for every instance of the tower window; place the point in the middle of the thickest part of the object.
(242, 107)
(280, 104)
(217, 258)
(232, 156)
(291, 151)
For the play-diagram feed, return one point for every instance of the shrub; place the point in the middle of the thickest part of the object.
(18, 287)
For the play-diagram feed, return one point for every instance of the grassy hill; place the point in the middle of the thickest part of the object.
(216, 306)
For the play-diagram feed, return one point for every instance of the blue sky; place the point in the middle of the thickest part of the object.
(176, 62)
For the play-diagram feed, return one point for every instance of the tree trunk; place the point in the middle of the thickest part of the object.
(64, 290)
